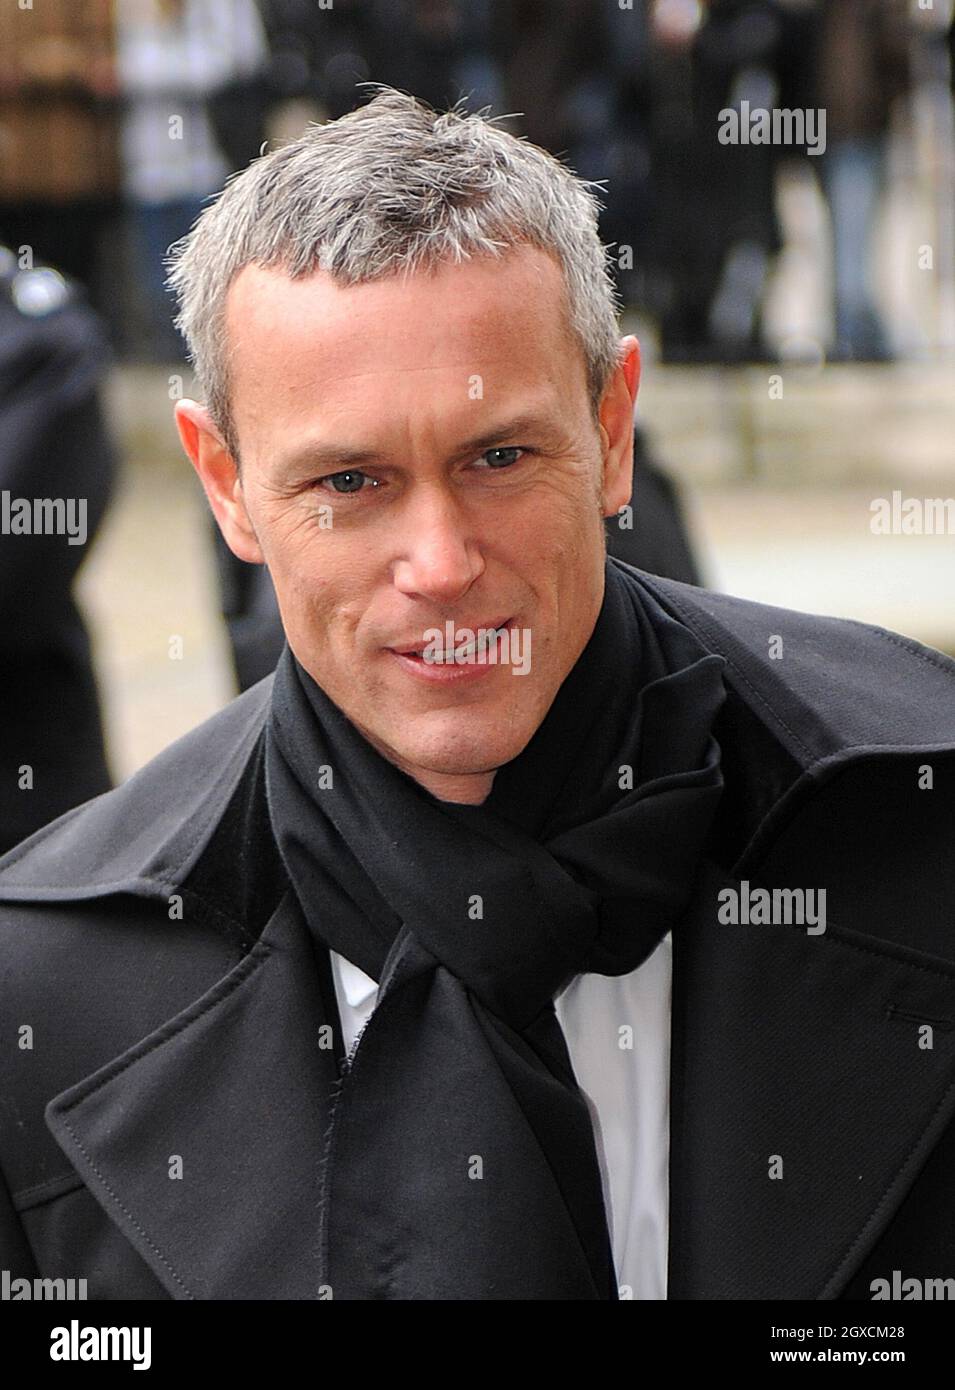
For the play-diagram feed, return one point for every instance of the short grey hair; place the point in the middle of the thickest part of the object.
(392, 187)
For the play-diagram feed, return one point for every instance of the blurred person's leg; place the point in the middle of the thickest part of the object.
(853, 172)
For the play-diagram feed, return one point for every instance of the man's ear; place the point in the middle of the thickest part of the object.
(220, 478)
(616, 427)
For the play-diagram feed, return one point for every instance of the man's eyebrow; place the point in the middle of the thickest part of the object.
(529, 427)
(318, 455)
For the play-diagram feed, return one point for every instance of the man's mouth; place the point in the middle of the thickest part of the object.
(431, 651)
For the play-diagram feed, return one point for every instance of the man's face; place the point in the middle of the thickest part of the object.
(418, 452)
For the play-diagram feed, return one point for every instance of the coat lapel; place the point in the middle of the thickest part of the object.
(792, 1054)
(796, 1055)
(203, 1141)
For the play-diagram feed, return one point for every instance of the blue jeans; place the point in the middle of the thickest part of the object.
(853, 176)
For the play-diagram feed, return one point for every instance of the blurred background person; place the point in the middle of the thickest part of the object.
(861, 67)
(59, 155)
(316, 56)
(444, 49)
(716, 225)
(54, 444)
(576, 74)
(174, 58)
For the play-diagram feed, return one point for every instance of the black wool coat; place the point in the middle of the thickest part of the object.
(165, 1011)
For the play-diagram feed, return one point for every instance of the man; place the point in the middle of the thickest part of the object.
(362, 989)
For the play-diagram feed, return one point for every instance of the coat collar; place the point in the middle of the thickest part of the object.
(828, 689)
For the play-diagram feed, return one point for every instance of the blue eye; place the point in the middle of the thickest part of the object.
(511, 451)
(348, 482)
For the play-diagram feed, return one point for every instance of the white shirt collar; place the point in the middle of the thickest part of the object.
(357, 987)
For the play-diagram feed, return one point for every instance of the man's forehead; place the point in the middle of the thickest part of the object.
(478, 331)
(456, 309)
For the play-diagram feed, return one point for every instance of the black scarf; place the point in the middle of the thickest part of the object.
(460, 1160)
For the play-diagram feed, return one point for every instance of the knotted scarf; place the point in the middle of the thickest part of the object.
(460, 1159)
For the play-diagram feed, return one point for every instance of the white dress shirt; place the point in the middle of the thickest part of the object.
(618, 1035)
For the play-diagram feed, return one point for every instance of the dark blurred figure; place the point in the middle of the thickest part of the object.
(546, 47)
(651, 534)
(441, 50)
(612, 111)
(59, 157)
(250, 611)
(861, 68)
(578, 74)
(716, 230)
(53, 445)
(318, 54)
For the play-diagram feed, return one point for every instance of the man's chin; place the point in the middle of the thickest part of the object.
(452, 744)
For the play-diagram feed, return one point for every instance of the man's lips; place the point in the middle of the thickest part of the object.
(415, 648)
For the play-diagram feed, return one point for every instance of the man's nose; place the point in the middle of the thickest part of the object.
(439, 557)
